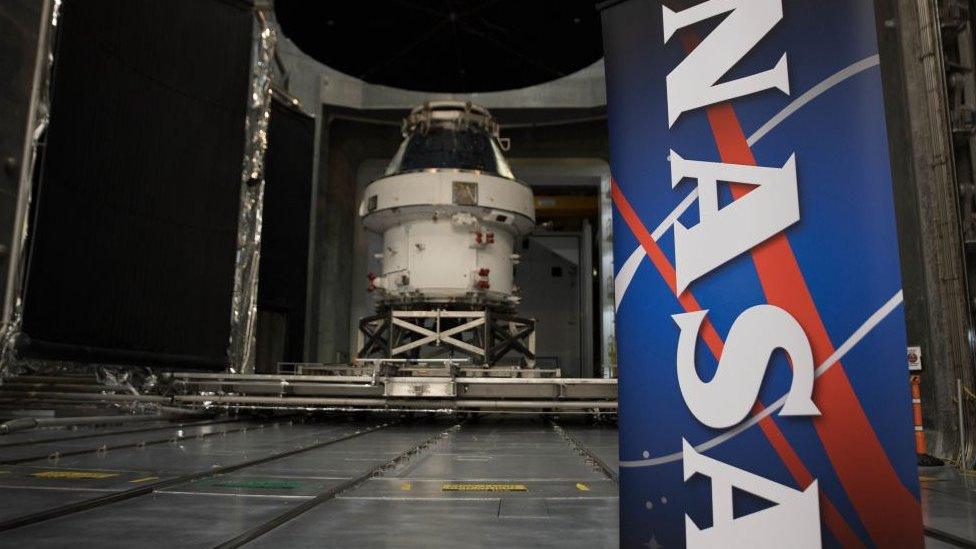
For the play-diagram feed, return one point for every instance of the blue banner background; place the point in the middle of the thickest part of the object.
(845, 245)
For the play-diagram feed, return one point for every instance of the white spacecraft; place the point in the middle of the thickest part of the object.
(450, 212)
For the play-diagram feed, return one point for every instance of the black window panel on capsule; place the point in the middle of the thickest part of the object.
(440, 147)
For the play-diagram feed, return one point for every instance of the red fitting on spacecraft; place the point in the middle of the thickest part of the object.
(372, 284)
(483, 275)
(490, 238)
(477, 237)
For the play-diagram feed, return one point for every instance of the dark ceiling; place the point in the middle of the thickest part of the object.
(458, 46)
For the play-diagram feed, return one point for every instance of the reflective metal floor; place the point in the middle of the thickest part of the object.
(949, 504)
(340, 482)
(494, 482)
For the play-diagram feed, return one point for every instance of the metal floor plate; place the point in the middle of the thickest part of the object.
(949, 501)
(498, 482)
(556, 490)
(353, 522)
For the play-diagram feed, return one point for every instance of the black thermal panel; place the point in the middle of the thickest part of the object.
(131, 257)
(283, 274)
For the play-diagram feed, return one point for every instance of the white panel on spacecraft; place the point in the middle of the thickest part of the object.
(450, 211)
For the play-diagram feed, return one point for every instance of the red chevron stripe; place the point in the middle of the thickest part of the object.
(830, 515)
(888, 510)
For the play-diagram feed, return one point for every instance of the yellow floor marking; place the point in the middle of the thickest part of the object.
(4, 472)
(484, 488)
(74, 474)
(143, 479)
(582, 487)
(406, 486)
(923, 479)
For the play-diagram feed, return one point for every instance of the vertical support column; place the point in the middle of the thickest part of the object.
(244, 305)
(360, 340)
(489, 337)
(920, 447)
(587, 310)
(531, 361)
(605, 246)
(946, 320)
(311, 319)
(390, 334)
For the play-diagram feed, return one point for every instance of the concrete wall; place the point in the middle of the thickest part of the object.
(314, 83)
(344, 145)
(926, 198)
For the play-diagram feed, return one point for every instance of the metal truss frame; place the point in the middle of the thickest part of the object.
(484, 335)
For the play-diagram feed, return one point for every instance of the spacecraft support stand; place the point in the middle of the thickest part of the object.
(483, 335)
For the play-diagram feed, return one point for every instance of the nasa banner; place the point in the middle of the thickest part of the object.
(764, 397)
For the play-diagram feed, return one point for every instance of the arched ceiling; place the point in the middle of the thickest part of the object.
(447, 46)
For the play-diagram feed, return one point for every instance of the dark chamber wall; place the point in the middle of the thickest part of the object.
(283, 274)
(344, 145)
(135, 220)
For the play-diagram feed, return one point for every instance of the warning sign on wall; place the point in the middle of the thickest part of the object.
(914, 359)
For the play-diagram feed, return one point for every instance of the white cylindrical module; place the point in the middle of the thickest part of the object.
(450, 211)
